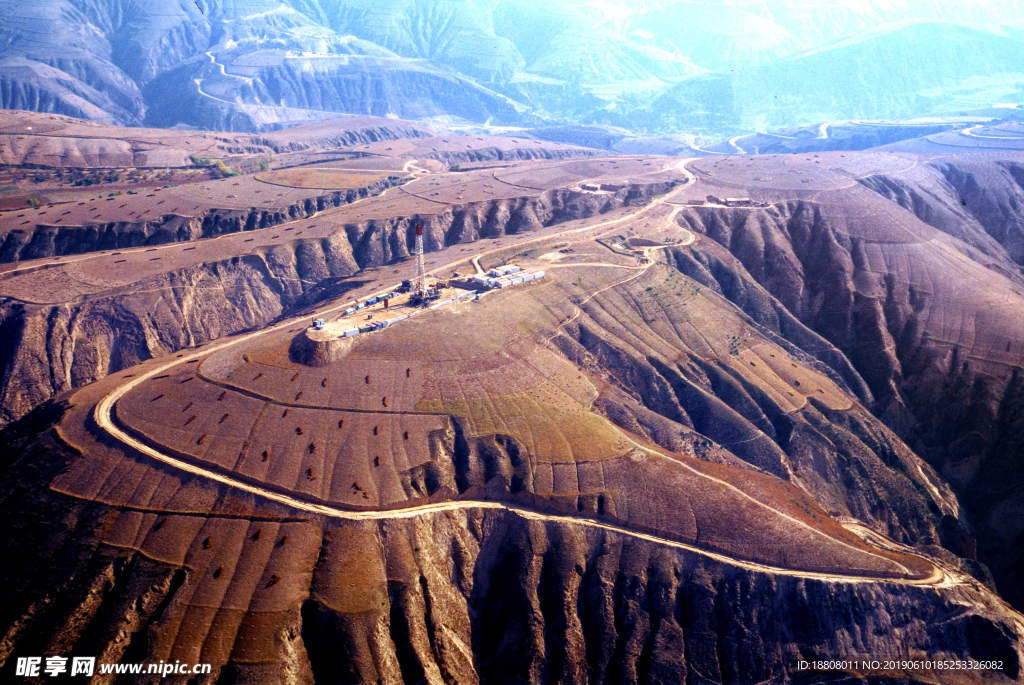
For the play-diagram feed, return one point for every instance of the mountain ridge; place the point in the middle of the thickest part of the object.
(271, 64)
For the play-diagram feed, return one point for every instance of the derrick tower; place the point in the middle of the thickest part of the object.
(420, 284)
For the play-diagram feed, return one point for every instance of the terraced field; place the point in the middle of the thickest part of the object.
(323, 178)
(378, 428)
(701, 423)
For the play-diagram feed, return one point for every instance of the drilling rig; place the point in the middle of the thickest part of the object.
(421, 293)
(421, 269)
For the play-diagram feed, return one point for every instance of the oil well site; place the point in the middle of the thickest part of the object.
(304, 418)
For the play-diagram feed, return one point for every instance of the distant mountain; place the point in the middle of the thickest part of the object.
(916, 70)
(655, 66)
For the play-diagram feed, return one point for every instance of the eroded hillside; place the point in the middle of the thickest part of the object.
(658, 461)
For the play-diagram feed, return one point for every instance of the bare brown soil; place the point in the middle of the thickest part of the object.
(658, 449)
(322, 178)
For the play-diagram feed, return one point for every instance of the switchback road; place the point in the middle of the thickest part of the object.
(103, 415)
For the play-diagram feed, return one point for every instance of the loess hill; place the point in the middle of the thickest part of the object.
(759, 409)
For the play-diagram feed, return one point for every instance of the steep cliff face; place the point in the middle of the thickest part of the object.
(970, 417)
(322, 136)
(64, 346)
(55, 348)
(51, 91)
(978, 202)
(41, 241)
(918, 325)
(543, 602)
(489, 154)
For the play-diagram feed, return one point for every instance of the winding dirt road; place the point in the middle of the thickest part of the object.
(103, 414)
(103, 410)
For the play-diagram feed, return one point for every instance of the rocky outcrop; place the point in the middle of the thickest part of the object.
(318, 349)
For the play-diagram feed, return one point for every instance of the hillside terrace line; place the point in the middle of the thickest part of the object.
(102, 415)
